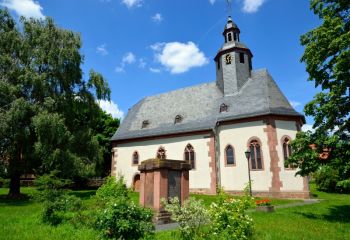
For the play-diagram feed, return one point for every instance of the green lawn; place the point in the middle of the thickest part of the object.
(329, 219)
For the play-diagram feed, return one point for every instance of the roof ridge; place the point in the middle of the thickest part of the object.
(180, 89)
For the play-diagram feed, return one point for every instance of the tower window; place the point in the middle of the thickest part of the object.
(145, 124)
(178, 119)
(235, 36)
(241, 57)
(230, 37)
(218, 63)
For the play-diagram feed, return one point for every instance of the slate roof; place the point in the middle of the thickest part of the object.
(199, 106)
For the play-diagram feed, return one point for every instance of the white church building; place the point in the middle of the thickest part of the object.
(212, 125)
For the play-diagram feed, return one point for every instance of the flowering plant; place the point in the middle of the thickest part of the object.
(229, 218)
(263, 202)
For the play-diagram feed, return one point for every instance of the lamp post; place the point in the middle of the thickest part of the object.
(247, 155)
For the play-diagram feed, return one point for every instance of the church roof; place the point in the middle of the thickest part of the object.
(199, 107)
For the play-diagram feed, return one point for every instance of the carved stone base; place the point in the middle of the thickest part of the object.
(162, 217)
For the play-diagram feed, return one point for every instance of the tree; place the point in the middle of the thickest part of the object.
(327, 58)
(104, 130)
(47, 110)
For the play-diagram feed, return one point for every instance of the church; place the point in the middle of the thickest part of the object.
(213, 125)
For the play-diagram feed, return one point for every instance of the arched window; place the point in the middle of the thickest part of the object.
(230, 37)
(287, 150)
(229, 156)
(190, 155)
(223, 108)
(135, 158)
(255, 155)
(161, 153)
(178, 119)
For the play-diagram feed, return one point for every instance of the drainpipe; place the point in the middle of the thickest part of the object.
(217, 153)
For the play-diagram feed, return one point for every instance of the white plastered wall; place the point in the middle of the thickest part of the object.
(290, 181)
(199, 177)
(234, 178)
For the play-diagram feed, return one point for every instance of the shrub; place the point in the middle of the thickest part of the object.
(117, 216)
(55, 199)
(191, 216)
(112, 189)
(122, 219)
(326, 179)
(229, 219)
(344, 186)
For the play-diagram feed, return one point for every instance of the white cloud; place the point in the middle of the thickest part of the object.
(294, 104)
(212, 2)
(157, 18)
(142, 63)
(132, 3)
(111, 108)
(119, 69)
(26, 8)
(157, 46)
(252, 6)
(179, 57)
(155, 70)
(102, 50)
(307, 127)
(129, 58)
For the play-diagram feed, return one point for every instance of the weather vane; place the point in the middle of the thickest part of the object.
(229, 8)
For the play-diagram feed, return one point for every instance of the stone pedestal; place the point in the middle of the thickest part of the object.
(163, 178)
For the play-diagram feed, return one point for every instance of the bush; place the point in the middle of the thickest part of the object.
(120, 218)
(344, 186)
(326, 179)
(112, 189)
(191, 216)
(229, 219)
(56, 202)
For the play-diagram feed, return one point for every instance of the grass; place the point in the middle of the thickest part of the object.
(20, 220)
(329, 219)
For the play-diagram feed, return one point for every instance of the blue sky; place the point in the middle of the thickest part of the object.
(145, 47)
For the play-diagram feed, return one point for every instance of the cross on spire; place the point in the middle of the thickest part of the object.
(229, 8)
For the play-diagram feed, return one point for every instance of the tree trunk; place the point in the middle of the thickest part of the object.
(15, 180)
(15, 185)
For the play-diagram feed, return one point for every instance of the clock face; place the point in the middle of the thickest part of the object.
(228, 58)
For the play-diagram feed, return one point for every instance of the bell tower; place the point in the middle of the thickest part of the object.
(233, 61)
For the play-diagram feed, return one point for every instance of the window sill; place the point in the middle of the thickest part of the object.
(230, 165)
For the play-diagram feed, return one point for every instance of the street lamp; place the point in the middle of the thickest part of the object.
(247, 155)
